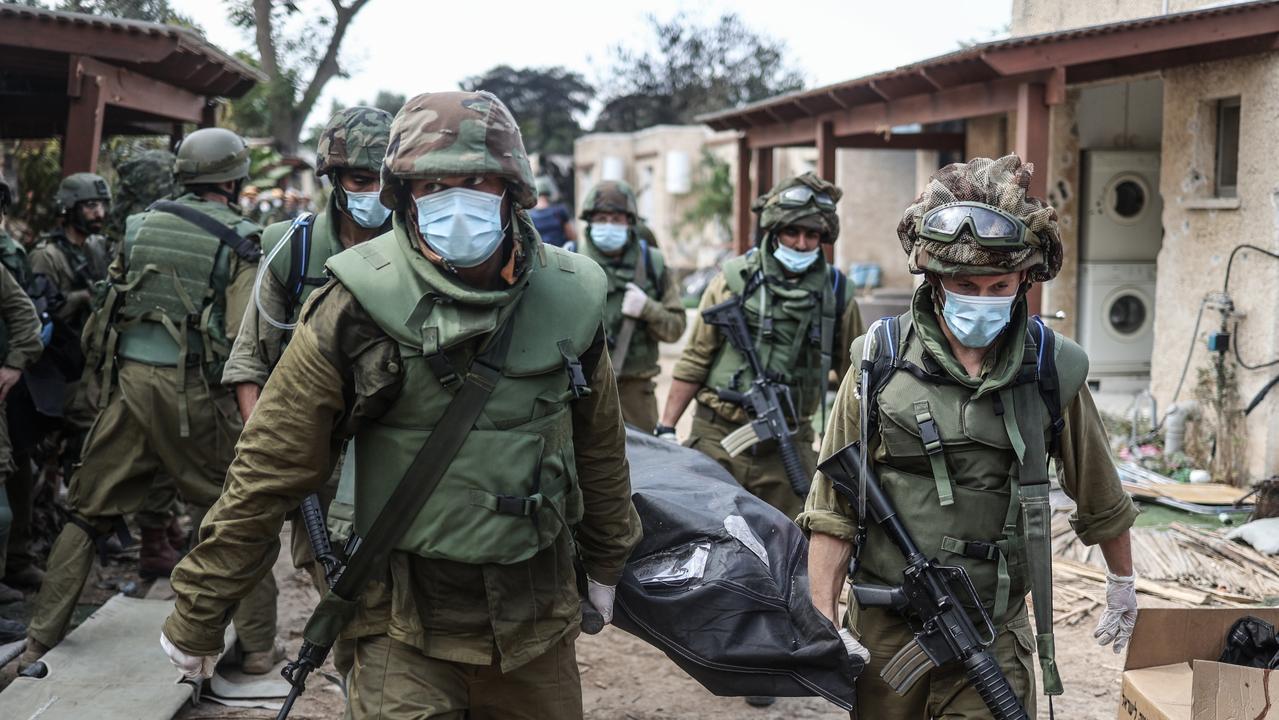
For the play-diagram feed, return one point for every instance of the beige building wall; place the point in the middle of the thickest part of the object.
(1200, 232)
(1032, 17)
(877, 185)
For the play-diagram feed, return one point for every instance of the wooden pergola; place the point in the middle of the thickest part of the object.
(85, 77)
(1024, 75)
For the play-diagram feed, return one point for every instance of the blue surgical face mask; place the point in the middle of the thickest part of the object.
(976, 321)
(366, 209)
(609, 237)
(464, 226)
(796, 261)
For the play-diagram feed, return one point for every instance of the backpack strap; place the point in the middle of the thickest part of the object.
(1047, 380)
(240, 245)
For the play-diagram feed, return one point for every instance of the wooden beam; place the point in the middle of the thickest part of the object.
(763, 171)
(1247, 22)
(742, 198)
(1032, 146)
(127, 89)
(826, 150)
(1055, 90)
(940, 141)
(68, 38)
(83, 136)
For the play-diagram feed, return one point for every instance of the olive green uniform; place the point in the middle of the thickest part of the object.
(662, 320)
(978, 454)
(433, 636)
(156, 418)
(20, 347)
(707, 358)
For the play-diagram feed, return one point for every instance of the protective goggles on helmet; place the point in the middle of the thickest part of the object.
(800, 195)
(989, 226)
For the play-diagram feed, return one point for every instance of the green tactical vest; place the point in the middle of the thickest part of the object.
(14, 258)
(958, 496)
(175, 290)
(790, 319)
(620, 270)
(513, 485)
(301, 280)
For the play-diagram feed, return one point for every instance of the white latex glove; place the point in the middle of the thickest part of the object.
(854, 648)
(601, 596)
(633, 301)
(1115, 625)
(193, 667)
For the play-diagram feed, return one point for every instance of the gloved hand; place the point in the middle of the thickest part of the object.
(854, 648)
(601, 596)
(193, 667)
(1115, 625)
(667, 433)
(633, 301)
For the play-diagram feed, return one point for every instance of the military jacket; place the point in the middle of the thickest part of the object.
(74, 270)
(662, 319)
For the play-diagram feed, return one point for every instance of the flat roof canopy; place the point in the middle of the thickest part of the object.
(83, 77)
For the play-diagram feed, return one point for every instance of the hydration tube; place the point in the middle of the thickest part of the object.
(264, 267)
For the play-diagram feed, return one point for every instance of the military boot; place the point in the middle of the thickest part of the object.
(156, 557)
(260, 663)
(176, 535)
(11, 631)
(30, 577)
(32, 654)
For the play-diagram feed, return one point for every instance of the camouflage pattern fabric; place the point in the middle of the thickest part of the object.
(457, 133)
(774, 217)
(610, 196)
(144, 178)
(355, 138)
(1000, 183)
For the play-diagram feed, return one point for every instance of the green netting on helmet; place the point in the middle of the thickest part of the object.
(1003, 184)
(450, 134)
(80, 187)
(774, 216)
(211, 155)
(355, 138)
(610, 196)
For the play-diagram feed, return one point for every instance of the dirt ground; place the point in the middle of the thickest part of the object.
(623, 678)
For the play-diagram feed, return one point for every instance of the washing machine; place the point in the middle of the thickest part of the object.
(1123, 211)
(1117, 317)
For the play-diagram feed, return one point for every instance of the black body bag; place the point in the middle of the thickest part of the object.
(720, 583)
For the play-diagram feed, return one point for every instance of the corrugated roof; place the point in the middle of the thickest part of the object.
(986, 61)
(172, 54)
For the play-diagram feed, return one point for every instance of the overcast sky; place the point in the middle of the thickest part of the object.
(414, 46)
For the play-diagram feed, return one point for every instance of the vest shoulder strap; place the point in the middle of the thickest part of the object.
(240, 245)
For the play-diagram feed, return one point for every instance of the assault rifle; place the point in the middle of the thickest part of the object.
(929, 597)
(767, 401)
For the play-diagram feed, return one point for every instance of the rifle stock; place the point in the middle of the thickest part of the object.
(931, 596)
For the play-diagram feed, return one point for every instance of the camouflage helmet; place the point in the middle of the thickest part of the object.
(456, 133)
(610, 196)
(78, 188)
(354, 138)
(775, 214)
(1000, 183)
(144, 178)
(211, 155)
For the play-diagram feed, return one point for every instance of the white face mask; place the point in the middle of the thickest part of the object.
(975, 320)
(464, 226)
(366, 209)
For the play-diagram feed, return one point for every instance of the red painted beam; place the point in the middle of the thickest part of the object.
(84, 126)
(742, 198)
(1032, 146)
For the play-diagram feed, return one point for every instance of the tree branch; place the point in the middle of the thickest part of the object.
(328, 67)
(266, 43)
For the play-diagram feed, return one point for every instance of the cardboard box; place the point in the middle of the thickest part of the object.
(1171, 671)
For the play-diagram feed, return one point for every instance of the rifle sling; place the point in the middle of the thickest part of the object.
(411, 494)
(622, 344)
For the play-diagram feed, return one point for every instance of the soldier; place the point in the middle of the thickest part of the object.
(20, 346)
(642, 296)
(179, 289)
(477, 610)
(143, 179)
(963, 396)
(350, 154)
(802, 313)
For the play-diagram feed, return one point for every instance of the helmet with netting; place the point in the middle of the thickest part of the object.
(355, 138)
(143, 179)
(776, 211)
(78, 188)
(211, 155)
(610, 196)
(999, 183)
(451, 134)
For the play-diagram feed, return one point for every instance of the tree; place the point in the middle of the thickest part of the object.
(290, 51)
(713, 198)
(696, 69)
(546, 102)
(159, 11)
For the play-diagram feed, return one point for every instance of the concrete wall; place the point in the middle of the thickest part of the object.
(878, 185)
(1031, 17)
(1198, 239)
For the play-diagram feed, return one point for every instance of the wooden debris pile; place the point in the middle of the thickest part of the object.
(1184, 564)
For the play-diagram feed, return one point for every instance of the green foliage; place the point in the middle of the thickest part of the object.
(250, 115)
(39, 172)
(265, 167)
(547, 103)
(158, 11)
(713, 196)
(696, 69)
